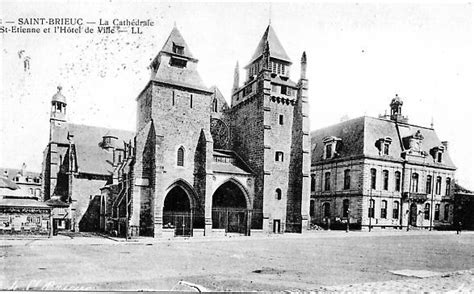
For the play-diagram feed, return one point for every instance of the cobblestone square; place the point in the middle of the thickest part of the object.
(320, 261)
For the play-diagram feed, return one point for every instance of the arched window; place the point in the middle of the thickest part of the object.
(327, 181)
(396, 209)
(326, 209)
(311, 208)
(345, 208)
(436, 214)
(397, 181)
(414, 182)
(429, 182)
(383, 209)
(427, 211)
(373, 178)
(448, 186)
(313, 182)
(385, 179)
(278, 194)
(371, 207)
(438, 185)
(214, 105)
(347, 179)
(446, 212)
(278, 156)
(180, 159)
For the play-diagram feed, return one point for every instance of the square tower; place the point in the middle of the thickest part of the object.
(270, 130)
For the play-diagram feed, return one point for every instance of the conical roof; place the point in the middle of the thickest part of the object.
(59, 97)
(276, 49)
(177, 39)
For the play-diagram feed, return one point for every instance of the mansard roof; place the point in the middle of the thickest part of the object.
(359, 138)
(276, 49)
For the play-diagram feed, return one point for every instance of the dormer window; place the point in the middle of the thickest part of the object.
(437, 153)
(178, 49)
(328, 150)
(383, 144)
(330, 147)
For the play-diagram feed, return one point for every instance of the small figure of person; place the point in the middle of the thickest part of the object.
(459, 227)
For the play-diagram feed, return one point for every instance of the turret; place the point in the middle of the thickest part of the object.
(58, 106)
(236, 78)
(396, 110)
(303, 66)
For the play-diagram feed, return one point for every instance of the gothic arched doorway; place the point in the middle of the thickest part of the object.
(413, 214)
(177, 212)
(230, 209)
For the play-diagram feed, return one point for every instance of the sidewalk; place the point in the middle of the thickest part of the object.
(101, 239)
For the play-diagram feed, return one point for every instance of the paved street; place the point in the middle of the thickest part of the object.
(358, 261)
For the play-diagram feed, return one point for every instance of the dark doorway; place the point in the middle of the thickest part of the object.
(177, 213)
(229, 209)
(413, 214)
(276, 226)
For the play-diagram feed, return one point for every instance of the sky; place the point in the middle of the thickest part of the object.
(360, 54)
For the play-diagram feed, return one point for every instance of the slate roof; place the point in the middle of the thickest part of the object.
(238, 167)
(91, 158)
(22, 202)
(276, 49)
(9, 188)
(13, 172)
(216, 93)
(359, 136)
(59, 97)
(175, 37)
(188, 76)
(5, 183)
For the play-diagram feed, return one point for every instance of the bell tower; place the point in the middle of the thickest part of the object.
(270, 131)
(58, 106)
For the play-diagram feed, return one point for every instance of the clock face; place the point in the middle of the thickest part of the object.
(220, 133)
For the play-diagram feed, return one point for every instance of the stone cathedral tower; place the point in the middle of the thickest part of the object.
(270, 130)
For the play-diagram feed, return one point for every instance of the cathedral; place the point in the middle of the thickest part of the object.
(195, 165)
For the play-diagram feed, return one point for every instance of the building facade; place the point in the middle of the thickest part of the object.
(22, 214)
(381, 173)
(200, 166)
(77, 161)
(30, 182)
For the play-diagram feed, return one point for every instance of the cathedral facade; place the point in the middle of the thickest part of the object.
(201, 166)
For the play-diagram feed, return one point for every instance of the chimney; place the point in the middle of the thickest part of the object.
(445, 144)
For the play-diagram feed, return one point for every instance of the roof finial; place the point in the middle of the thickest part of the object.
(60, 88)
(174, 25)
(270, 14)
(432, 122)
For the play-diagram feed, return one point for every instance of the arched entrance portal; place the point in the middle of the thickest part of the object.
(177, 212)
(230, 209)
(413, 214)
